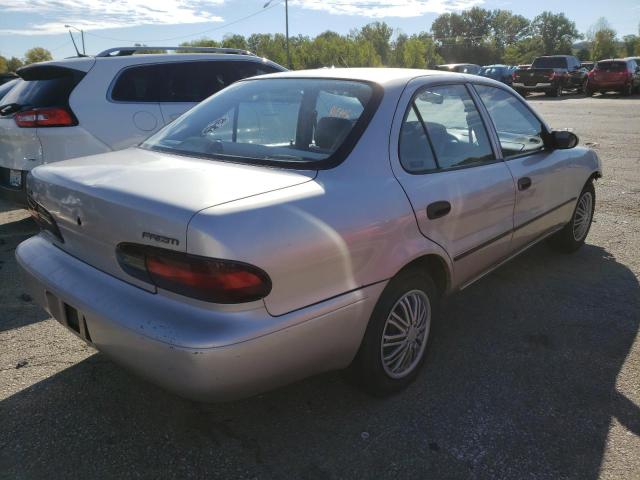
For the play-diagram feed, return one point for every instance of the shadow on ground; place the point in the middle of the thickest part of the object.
(520, 383)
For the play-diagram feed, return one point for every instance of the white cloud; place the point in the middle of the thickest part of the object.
(101, 14)
(387, 8)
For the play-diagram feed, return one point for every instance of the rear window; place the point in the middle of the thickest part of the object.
(302, 122)
(611, 66)
(6, 87)
(550, 62)
(43, 88)
(182, 82)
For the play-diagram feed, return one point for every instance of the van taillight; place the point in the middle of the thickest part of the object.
(203, 278)
(45, 117)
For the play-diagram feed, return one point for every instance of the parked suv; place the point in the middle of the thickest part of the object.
(551, 75)
(89, 105)
(621, 75)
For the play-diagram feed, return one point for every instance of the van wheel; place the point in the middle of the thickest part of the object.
(627, 90)
(573, 235)
(395, 343)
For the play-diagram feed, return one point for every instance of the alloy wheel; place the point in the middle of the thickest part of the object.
(405, 334)
(582, 217)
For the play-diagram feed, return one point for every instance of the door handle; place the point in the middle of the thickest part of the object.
(524, 183)
(438, 209)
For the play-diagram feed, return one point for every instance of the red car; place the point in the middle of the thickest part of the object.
(621, 75)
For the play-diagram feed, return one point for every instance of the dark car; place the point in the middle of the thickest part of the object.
(620, 75)
(551, 75)
(471, 68)
(502, 73)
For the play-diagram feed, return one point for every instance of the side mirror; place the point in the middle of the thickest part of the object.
(562, 140)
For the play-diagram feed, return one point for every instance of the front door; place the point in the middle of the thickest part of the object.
(544, 199)
(462, 195)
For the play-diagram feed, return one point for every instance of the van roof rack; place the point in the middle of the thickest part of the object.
(125, 51)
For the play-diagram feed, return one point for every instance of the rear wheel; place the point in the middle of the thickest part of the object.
(627, 90)
(573, 235)
(556, 91)
(395, 343)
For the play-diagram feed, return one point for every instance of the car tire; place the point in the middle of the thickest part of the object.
(396, 341)
(574, 233)
(627, 90)
(588, 91)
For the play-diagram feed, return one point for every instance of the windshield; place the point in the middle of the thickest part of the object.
(550, 62)
(300, 121)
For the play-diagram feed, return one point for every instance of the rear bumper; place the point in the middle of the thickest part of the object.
(593, 85)
(538, 87)
(193, 350)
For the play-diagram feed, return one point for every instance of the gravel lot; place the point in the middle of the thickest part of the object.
(534, 372)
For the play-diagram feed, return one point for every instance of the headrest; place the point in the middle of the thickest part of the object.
(331, 131)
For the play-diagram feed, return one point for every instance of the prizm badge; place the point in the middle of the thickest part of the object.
(160, 238)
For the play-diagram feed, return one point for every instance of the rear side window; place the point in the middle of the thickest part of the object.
(519, 131)
(452, 136)
(611, 66)
(182, 81)
(44, 87)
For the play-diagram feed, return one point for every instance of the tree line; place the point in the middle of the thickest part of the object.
(476, 35)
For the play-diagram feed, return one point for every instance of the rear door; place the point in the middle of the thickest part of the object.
(462, 195)
(185, 84)
(544, 199)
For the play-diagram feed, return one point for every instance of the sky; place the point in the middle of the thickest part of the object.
(110, 23)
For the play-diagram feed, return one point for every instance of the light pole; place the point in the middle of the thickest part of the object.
(286, 19)
(84, 52)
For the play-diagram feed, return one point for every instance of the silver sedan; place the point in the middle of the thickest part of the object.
(301, 222)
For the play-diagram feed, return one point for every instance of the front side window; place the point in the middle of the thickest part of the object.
(519, 131)
(454, 135)
(299, 121)
(186, 82)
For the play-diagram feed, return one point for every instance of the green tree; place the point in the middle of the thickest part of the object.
(202, 42)
(235, 41)
(556, 32)
(3, 65)
(583, 54)
(631, 45)
(524, 51)
(419, 51)
(13, 64)
(37, 54)
(378, 34)
(603, 38)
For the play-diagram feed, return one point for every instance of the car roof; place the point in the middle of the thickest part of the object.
(386, 77)
(85, 63)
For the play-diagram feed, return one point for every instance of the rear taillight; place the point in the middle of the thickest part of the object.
(44, 117)
(203, 278)
(552, 75)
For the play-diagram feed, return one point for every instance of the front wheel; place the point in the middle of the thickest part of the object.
(395, 343)
(573, 235)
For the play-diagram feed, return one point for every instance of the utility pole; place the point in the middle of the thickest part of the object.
(286, 19)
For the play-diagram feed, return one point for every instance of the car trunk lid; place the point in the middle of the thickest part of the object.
(143, 197)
